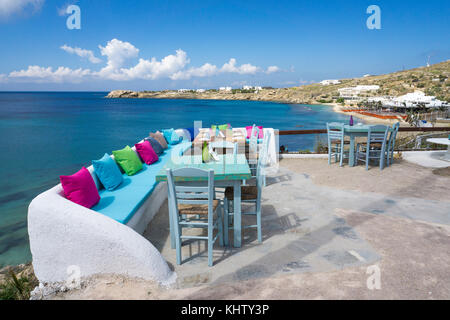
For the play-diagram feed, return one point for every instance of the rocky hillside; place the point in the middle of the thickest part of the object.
(433, 80)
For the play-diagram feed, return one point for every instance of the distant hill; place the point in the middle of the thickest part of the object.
(433, 80)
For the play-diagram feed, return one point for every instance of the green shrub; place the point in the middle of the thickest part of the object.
(15, 288)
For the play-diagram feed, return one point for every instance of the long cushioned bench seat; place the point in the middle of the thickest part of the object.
(122, 203)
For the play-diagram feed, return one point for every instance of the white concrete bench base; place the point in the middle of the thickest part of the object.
(64, 234)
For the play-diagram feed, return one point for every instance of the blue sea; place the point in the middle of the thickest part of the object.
(44, 135)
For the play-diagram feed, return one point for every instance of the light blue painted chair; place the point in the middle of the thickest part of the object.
(192, 205)
(375, 148)
(249, 194)
(265, 150)
(335, 133)
(391, 144)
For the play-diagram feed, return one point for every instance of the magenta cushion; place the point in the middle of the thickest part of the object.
(146, 152)
(249, 132)
(80, 188)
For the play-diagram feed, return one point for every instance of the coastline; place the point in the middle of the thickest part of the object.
(338, 108)
(284, 95)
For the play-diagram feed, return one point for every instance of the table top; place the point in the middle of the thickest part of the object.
(234, 135)
(228, 167)
(445, 141)
(361, 128)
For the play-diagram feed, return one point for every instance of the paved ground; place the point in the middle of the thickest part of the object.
(323, 227)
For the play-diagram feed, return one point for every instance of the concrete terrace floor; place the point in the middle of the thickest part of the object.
(322, 227)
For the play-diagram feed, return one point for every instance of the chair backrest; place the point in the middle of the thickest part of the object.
(335, 131)
(180, 192)
(393, 135)
(262, 162)
(253, 142)
(377, 134)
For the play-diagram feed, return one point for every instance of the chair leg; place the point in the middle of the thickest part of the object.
(342, 154)
(220, 226)
(210, 245)
(258, 220)
(178, 232)
(367, 159)
(225, 220)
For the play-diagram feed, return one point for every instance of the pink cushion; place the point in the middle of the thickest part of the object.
(146, 152)
(249, 132)
(80, 188)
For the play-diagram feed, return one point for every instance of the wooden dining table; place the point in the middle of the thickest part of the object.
(357, 130)
(229, 171)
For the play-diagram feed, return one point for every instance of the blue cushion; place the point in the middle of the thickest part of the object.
(122, 203)
(107, 172)
(155, 145)
(193, 132)
(171, 136)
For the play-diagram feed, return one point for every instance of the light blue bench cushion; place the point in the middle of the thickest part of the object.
(122, 203)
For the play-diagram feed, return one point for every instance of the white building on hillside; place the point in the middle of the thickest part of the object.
(200, 90)
(251, 88)
(328, 82)
(414, 98)
(354, 92)
(225, 89)
(410, 100)
(183, 90)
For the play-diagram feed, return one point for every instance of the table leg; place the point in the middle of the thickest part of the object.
(172, 233)
(237, 214)
(351, 159)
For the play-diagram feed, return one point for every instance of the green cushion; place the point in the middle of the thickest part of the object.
(128, 160)
(205, 153)
(220, 127)
(123, 202)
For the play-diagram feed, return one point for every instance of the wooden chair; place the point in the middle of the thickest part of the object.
(375, 148)
(249, 194)
(335, 132)
(192, 205)
(391, 144)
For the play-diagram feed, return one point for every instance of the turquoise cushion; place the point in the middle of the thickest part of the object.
(123, 202)
(171, 136)
(107, 172)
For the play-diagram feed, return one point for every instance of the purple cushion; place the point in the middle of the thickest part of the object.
(146, 152)
(80, 188)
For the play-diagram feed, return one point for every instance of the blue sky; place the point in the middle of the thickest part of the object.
(152, 45)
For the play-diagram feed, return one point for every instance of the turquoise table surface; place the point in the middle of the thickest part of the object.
(358, 130)
(228, 167)
(229, 171)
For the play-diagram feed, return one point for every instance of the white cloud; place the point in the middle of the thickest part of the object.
(40, 74)
(3, 78)
(230, 67)
(206, 70)
(272, 69)
(82, 53)
(118, 53)
(9, 7)
(154, 69)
